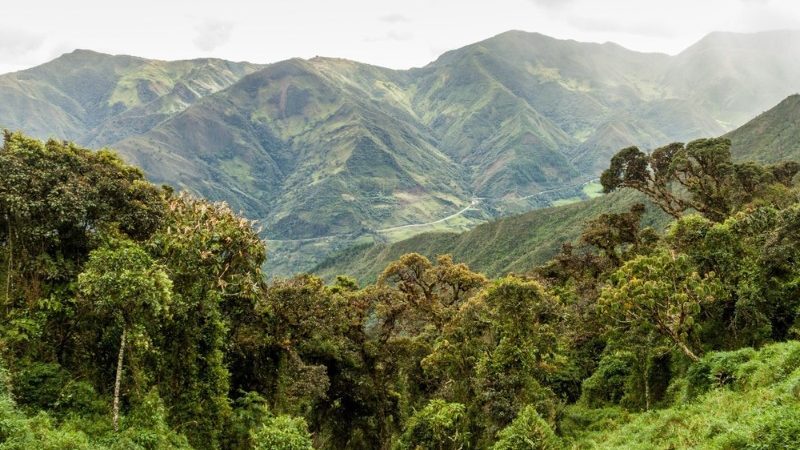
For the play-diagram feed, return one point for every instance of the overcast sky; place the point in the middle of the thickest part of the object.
(397, 33)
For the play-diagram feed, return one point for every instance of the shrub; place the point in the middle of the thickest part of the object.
(606, 386)
(283, 433)
(527, 432)
(716, 370)
(774, 363)
(146, 427)
(80, 397)
(779, 429)
(439, 425)
(577, 420)
(39, 384)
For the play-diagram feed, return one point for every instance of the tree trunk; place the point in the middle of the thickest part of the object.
(666, 331)
(118, 380)
(10, 265)
(687, 351)
(647, 384)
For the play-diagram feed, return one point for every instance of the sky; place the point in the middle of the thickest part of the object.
(397, 34)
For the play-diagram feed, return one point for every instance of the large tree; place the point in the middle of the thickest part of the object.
(661, 292)
(130, 290)
(699, 175)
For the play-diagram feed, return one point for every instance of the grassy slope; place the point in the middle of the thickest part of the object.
(759, 409)
(511, 244)
(518, 243)
(772, 136)
(329, 147)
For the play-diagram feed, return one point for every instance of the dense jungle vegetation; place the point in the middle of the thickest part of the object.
(133, 317)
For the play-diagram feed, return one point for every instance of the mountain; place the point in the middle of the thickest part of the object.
(328, 152)
(772, 136)
(310, 148)
(521, 242)
(99, 99)
(733, 76)
(509, 244)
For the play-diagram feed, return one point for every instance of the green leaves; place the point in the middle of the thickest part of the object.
(122, 279)
(438, 426)
(528, 431)
(283, 433)
(662, 291)
(699, 176)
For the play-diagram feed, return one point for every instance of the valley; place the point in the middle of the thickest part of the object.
(328, 153)
(525, 243)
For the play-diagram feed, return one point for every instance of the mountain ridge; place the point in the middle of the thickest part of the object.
(333, 147)
(520, 242)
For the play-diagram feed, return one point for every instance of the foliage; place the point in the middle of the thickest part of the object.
(282, 433)
(124, 283)
(440, 425)
(608, 383)
(162, 332)
(758, 410)
(527, 431)
(699, 175)
(662, 292)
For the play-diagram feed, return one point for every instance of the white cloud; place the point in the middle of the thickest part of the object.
(212, 34)
(398, 34)
(16, 43)
(394, 18)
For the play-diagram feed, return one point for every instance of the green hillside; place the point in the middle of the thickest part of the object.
(772, 136)
(511, 244)
(521, 242)
(330, 152)
(99, 99)
(308, 149)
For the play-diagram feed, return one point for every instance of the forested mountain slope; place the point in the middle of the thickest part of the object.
(772, 136)
(136, 317)
(510, 244)
(520, 242)
(324, 152)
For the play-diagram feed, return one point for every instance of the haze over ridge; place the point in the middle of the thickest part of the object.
(332, 147)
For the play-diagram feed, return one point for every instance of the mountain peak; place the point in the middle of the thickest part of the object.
(81, 53)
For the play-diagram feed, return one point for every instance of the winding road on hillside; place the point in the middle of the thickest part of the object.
(472, 206)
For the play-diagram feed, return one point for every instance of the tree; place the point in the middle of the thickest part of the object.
(297, 317)
(437, 426)
(649, 174)
(614, 234)
(661, 292)
(54, 196)
(214, 258)
(699, 175)
(55, 200)
(283, 433)
(124, 284)
(497, 353)
(432, 292)
(528, 431)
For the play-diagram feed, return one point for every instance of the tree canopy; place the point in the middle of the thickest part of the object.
(136, 317)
